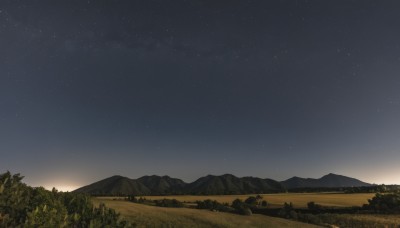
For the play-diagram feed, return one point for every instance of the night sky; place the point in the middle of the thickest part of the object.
(273, 89)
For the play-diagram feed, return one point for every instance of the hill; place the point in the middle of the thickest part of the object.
(162, 185)
(226, 184)
(115, 185)
(165, 185)
(229, 184)
(328, 181)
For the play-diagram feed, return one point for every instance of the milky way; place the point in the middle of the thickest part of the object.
(89, 89)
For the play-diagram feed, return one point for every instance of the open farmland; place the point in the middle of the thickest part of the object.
(277, 200)
(151, 216)
(361, 220)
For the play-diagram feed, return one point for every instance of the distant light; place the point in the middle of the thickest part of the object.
(62, 188)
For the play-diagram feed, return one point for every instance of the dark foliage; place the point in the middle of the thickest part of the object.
(288, 212)
(384, 203)
(253, 201)
(131, 198)
(21, 205)
(373, 189)
(313, 206)
(264, 203)
(168, 203)
(213, 205)
(241, 207)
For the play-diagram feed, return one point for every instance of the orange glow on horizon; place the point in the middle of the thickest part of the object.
(62, 187)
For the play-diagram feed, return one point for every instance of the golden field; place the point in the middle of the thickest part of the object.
(362, 220)
(277, 200)
(151, 216)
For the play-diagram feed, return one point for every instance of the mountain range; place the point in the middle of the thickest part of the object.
(211, 185)
(328, 181)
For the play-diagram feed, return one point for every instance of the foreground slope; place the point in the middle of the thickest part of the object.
(328, 181)
(151, 216)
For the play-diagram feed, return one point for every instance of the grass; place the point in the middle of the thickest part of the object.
(151, 216)
(299, 200)
(361, 220)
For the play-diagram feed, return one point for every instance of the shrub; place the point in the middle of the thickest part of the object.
(313, 206)
(288, 211)
(264, 203)
(213, 205)
(24, 206)
(131, 198)
(168, 203)
(241, 207)
(251, 201)
(385, 203)
(309, 218)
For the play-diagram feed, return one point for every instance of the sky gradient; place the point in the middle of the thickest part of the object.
(89, 89)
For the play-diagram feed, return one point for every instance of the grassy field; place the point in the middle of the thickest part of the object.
(151, 216)
(277, 200)
(361, 220)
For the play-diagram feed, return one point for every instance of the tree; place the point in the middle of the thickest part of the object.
(241, 207)
(313, 206)
(385, 203)
(251, 201)
(259, 199)
(288, 211)
(264, 203)
(24, 206)
(14, 200)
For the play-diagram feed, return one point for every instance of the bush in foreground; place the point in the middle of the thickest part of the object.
(24, 206)
(384, 203)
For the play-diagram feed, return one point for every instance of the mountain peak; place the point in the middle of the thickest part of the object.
(330, 180)
(332, 174)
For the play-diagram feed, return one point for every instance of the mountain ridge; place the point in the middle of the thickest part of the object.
(330, 180)
(226, 184)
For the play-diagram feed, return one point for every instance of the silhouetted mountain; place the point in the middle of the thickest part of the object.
(165, 185)
(328, 181)
(229, 184)
(115, 185)
(211, 185)
(162, 185)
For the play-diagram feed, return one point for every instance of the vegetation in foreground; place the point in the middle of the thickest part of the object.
(24, 206)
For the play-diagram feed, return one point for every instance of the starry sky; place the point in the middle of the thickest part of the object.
(272, 89)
